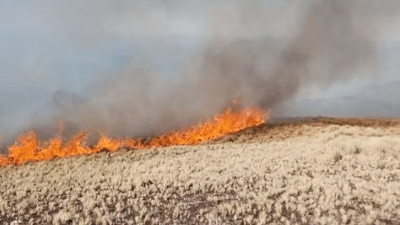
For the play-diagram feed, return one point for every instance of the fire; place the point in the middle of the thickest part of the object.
(29, 148)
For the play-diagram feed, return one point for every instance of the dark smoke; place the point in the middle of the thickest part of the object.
(330, 46)
(330, 43)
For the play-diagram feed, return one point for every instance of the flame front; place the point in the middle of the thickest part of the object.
(29, 148)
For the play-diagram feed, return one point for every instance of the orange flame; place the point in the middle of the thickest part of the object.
(29, 148)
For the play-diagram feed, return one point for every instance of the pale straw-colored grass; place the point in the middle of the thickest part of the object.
(315, 174)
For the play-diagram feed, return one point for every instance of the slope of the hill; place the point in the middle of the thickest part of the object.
(317, 171)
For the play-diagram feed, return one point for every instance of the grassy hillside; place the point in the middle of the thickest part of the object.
(315, 171)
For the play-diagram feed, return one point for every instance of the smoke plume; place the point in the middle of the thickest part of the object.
(331, 42)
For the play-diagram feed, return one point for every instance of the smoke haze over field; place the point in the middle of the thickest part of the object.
(132, 68)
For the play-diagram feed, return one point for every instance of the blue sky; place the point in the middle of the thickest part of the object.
(47, 46)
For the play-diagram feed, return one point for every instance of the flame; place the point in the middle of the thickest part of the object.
(29, 148)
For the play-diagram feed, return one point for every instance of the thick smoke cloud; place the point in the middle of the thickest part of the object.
(329, 45)
(332, 41)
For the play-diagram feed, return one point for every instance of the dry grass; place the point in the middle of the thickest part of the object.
(319, 171)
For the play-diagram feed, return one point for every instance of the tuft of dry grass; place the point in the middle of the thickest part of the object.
(290, 173)
(337, 157)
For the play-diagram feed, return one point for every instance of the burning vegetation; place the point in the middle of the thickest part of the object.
(29, 148)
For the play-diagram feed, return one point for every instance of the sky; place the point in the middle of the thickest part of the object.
(48, 47)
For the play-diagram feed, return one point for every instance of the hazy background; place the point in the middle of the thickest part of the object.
(119, 65)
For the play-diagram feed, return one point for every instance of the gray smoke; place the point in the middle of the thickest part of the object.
(332, 41)
(330, 45)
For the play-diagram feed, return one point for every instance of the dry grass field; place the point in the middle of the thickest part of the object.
(310, 171)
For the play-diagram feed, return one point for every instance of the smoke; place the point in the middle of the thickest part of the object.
(330, 45)
(241, 58)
